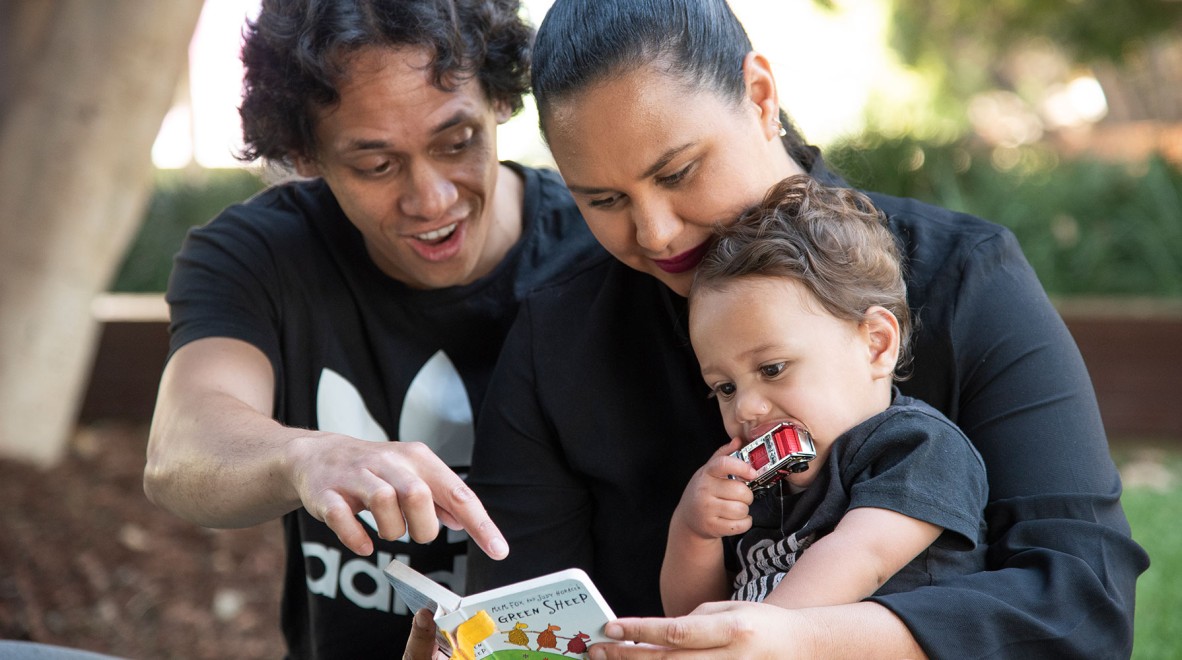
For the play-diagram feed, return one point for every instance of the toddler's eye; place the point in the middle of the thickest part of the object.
(772, 370)
(724, 390)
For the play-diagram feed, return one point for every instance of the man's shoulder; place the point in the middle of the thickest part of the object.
(291, 219)
(555, 242)
(583, 282)
(283, 209)
(547, 201)
(543, 176)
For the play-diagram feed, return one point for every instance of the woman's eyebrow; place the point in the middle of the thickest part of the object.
(586, 190)
(664, 160)
(657, 166)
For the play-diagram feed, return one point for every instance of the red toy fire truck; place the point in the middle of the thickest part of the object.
(785, 449)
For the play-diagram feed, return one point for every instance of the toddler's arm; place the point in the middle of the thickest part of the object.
(866, 548)
(712, 506)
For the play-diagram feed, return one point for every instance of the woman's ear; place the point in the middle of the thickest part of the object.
(880, 329)
(761, 91)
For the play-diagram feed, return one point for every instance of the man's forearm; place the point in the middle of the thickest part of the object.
(220, 463)
(216, 457)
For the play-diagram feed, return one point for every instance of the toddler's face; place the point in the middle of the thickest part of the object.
(770, 352)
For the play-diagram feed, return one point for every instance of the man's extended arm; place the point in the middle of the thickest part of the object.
(217, 458)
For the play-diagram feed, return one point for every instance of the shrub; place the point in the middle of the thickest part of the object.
(181, 200)
(1087, 227)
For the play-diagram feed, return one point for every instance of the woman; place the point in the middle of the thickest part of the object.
(663, 124)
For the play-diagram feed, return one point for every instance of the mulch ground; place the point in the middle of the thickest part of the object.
(87, 562)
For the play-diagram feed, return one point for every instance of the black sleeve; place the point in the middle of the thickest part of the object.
(520, 475)
(922, 467)
(1062, 565)
(221, 286)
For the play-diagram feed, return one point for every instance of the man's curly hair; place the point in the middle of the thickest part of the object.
(295, 53)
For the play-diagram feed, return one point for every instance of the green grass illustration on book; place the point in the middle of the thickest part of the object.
(553, 616)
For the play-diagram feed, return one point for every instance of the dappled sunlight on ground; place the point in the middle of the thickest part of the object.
(89, 563)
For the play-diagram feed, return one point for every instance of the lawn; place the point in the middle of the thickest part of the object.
(1152, 499)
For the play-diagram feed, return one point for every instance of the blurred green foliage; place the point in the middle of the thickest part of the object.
(1087, 227)
(1087, 30)
(959, 43)
(181, 199)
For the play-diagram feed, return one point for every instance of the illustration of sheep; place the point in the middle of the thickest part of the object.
(578, 643)
(547, 639)
(517, 635)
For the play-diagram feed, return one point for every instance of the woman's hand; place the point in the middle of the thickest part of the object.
(714, 630)
(738, 629)
(421, 643)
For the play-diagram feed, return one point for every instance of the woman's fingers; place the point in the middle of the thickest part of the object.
(606, 651)
(421, 643)
(683, 632)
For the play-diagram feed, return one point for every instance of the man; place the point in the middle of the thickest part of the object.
(367, 303)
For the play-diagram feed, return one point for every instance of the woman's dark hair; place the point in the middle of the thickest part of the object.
(296, 52)
(582, 42)
(833, 241)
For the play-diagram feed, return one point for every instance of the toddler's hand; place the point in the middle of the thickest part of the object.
(713, 505)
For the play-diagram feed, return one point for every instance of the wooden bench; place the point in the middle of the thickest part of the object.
(1133, 349)
(132, 348)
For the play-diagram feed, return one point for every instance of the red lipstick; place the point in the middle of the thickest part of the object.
(685, 261)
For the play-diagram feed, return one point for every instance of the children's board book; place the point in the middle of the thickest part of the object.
(552, 616)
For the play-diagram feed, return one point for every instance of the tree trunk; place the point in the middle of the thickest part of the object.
(86, 85)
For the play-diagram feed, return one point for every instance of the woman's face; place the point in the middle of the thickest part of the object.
(655, 164)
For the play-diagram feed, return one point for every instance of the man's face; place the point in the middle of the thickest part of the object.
(415, 169)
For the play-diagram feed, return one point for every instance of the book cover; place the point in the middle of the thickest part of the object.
(553, 616)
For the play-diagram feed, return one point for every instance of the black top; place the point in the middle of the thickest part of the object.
(599, 416)
(908, 458)
(357, 352)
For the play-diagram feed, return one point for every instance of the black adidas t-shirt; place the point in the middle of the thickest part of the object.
(357, 352)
